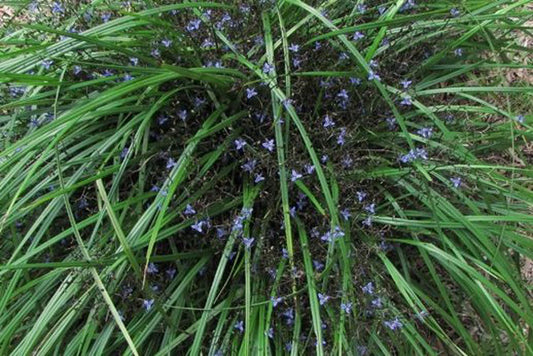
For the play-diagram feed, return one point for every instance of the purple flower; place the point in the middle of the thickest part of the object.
(207, 43)
(250, 93)
(284, 253)
(456, 181)
(127, 77)
(322, 298)
(355, 81)
(458, 52)
(295, 176)
(289, 316)
(408, 5)
(248, 242)
(406, 83)
(294, 48)
(239, 144)
(357, 35)
(276, 301)
(425, 132)
(258, 178)
(249, 166)
(166, 42)
(148, 304)
(269, 145)
(171, 272)
(361, 8)
(377, 303)
(406, 101)
(455, 12)
(171, 163)
(268, 68)
(152, 268)
(373, 76)
(194, 25)
(76, 70)
(182, 114)
(309, 168)
(368, 288)
(57, 8)
(521, 119)
(47, 63)
(155, 53)
(270, 333)
(393, 324)
(318, 265)
(367, 222)
(239, 326)
(373, 63)
(318, 45)
(106, 16)
(221, 232)
(391, 122)
(346, 307)
(198, 226)
(371, 208)
(341, 137)
(134, 61)
(345, 214)
(328, 122)
(189, 210)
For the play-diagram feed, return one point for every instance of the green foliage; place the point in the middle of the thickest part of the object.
(117, 119)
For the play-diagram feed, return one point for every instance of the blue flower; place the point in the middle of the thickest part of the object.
(148, 304)
(258, 178)
(270, 333)
(425, 132)
(268, 68)
(250, 93)
(171, 163)
(318, 45)
(76, 70)
(345, 214)
(309, 168)
(221, 232)
(406, 101)
(328, 122)
(106, 16)
(318, 265)
(269, 145)
(373, 76)
(152, 268)
(295, 176)
(47, 63)
(377, 303)
(456, 181)
(346, 307)
(239, 326)
(182, 114)
(134, 61)
(322, 298)
(248, 242)
(171, 272)
(342, 136)
(194, 25)
(155, 53)
(294, 48)
(391, 122)
(371, 208)
(458, 52)
(455, 12)
(368, 288)
(357, 35)
(275, 301)
(166, 42)
(128, 77)
(393, 324)
(521, 119)
(249, 166)
(198, 226)
(289, 316)
(368, 221)
(347, 162)
(361, 8)
(239, 144)
(406, 83)
(284, 253)
(57, 8)
(189, 210)
(355, 81)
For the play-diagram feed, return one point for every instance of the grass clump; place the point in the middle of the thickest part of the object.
(269, 177)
